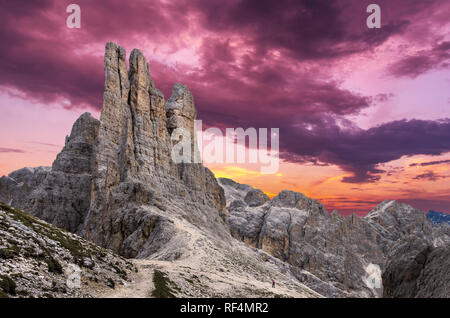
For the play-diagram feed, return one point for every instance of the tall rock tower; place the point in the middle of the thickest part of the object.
(115, 182)
(134, 180)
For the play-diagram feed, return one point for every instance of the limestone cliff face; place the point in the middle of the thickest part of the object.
(115, 182)
(340, 251)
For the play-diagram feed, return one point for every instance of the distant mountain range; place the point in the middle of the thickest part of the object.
(438, 217)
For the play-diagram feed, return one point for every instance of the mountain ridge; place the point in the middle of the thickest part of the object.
(299, 231)
(115, 184)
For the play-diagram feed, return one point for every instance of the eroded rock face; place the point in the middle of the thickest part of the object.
(348, 254)
(256, 198)
(406, 262)
(61, 194)
(435, 276)
(115, 182)
(77, 154)
(180, 109)
(417, 269)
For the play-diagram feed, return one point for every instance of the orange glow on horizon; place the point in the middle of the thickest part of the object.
(402, 181)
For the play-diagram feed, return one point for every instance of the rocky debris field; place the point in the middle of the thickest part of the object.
(41, 260)
(211, 268)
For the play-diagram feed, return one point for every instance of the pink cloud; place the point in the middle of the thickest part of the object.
(257, 63)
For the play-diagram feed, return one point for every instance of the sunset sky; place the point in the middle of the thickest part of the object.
(364, 114)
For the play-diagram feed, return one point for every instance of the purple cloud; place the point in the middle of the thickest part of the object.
(429, 163)
(360, 151)
(9, 150)
(429, 176)
(272, 77)
(423, 61)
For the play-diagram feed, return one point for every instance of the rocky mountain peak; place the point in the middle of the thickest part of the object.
(76, 156)
(180, 108)
(133, 153)
(402, 218)
(291, 199)
(256, 197)
(114, 182)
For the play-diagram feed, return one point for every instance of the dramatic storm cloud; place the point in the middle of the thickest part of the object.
(301, 66)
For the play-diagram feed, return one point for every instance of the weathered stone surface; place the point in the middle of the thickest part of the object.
(256, 198)
(398, 220)
(435, 277)
(18, 185)
(114, 155)
(77, 154)
(180, 109)
(417, 268)
(407, 261)
(140, 167)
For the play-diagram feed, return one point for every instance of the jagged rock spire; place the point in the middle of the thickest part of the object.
(77, 154)
(115, 118)
(150, 136)
(181, 114)
(180, 109)
(133, 150)
(117, 86)
(114, 182)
